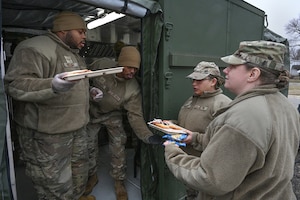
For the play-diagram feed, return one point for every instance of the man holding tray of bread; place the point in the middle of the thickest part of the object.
(51, 113)
(121, 92)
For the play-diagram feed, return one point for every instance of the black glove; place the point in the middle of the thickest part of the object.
(155, 139)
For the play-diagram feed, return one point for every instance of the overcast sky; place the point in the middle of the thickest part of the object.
(279, 13)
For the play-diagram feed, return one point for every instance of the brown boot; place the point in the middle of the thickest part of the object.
(120, 190)
(92, 182)
(89, 197)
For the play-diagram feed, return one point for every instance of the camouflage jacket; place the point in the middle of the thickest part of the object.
(198, 111)
(28, 81)
(120, 95)
(249, 150)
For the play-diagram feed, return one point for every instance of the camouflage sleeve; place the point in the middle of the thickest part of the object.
(135, 117)
(25, 79)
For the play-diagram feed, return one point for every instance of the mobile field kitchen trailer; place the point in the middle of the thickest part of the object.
(172, 36)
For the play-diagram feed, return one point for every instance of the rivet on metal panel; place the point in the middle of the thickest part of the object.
(168, 77)
(168, 28)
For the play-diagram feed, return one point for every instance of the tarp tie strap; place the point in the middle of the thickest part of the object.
(125, 6)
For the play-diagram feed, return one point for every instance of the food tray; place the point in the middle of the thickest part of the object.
(91, 73)
(178, 130)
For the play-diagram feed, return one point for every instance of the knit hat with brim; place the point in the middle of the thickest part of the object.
(66, 21)
(129, 57)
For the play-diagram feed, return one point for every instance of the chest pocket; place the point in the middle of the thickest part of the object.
(198, 107)
(189, 105)
(70, 63)
(106, 88)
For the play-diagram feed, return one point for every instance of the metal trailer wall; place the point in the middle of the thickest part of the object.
(192, 31)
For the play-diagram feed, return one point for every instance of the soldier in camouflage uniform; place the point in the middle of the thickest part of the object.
(51, 113)
(249, 148)
(199, 109)
(121, 92)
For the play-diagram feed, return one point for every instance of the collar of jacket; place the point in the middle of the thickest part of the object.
(207, 94)
(58, 40)
(257, 91)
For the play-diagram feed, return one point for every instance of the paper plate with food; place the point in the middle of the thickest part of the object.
(166, 126)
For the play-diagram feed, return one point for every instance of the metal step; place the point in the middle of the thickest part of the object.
(105, 187)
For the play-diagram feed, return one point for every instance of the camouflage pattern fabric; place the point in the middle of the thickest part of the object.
(262, 53)
(93, 130)
(56, 163)
(204, 69)
(117, 140)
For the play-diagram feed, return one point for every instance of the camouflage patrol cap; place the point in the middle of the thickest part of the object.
(204, 69)
(261, 53)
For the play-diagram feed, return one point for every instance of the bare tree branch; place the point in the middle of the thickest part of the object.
(293, 29)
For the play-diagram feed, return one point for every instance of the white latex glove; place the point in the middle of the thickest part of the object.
(96, 94)
(61, 85)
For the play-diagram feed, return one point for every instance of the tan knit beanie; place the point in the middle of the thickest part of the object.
(129, 57)
(66, 21)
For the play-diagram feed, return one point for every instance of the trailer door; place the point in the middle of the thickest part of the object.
(193, 31)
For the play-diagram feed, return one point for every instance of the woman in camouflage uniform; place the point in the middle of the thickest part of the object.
(198, 111)
(249, 149)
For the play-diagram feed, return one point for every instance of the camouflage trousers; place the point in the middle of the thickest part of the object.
(93, 148)
(56, 163)
(117, 142)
